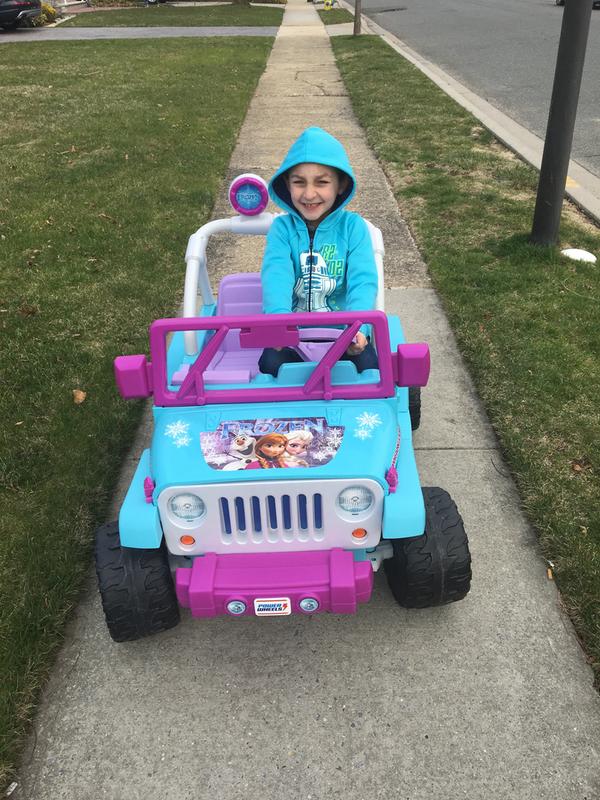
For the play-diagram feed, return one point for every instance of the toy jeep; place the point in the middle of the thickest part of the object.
(264, 495)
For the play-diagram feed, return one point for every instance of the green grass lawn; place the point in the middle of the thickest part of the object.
(104, 177)
(186, 16)
(526, 318)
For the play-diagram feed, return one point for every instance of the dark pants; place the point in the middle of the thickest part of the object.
(272, 359)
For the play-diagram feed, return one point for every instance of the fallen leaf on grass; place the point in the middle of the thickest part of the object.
(26, 310)
(102, 215)
(79, 396)
(580, 465)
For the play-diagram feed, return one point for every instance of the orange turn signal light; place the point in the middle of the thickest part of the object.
(359, 533)
(187, 540)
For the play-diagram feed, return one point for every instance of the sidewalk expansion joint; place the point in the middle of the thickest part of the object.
(490, 449)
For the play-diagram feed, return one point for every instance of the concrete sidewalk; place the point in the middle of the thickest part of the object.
(488, 698)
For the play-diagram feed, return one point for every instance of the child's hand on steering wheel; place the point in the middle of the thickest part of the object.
(358, 345)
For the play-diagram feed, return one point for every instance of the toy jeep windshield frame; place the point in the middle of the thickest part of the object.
(407, 366)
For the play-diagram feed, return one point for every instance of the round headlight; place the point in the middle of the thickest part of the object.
(355, 499)
(188, 507)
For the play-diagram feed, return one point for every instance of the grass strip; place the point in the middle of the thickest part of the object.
(526, 318)
(162, 15)
(335, 16)
(104, 178)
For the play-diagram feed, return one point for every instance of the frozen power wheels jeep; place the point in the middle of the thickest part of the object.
(273, 496)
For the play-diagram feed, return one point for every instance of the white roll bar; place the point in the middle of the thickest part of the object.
(196, 273)
(379, 252)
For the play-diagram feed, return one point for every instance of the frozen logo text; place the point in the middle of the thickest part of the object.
(263, 427)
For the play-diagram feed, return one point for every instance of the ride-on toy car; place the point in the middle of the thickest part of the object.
(272, 496)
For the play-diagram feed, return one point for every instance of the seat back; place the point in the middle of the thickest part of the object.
(240, 293)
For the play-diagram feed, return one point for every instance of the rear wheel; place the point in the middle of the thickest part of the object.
(414, 406)
(136, 587)
(435, 568)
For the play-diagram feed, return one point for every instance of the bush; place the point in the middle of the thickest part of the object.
(49, 14)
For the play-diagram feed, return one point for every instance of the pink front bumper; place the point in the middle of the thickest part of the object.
(332, 577)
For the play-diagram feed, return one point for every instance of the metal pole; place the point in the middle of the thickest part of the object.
(357, 13)
(561, 121)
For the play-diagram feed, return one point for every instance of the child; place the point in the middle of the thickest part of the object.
(318, 256)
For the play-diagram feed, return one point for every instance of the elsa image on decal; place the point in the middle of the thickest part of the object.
(269, 451)
(297, 445)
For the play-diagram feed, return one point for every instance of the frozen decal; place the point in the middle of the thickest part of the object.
(271, 443)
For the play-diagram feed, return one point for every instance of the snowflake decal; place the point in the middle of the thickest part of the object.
(368, 420)
(362, 433)
(334, 438)
(177, 429)
(182, 441)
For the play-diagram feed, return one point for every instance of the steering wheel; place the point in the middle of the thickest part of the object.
(315, 342)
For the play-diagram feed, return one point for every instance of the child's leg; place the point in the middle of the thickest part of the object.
(365, 360)
(272, 359)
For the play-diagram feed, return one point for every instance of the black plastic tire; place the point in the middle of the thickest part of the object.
(414, 406)
(435, 568)
(136, 587)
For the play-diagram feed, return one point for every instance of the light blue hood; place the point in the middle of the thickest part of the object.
(314, 146)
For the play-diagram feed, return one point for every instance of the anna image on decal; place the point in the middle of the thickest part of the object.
(268, 451)
(298, 443)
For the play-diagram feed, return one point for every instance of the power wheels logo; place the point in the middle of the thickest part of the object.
(272, 606)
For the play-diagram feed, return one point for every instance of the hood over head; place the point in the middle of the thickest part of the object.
(314, 146)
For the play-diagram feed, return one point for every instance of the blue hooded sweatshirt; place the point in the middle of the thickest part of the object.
(330, 269)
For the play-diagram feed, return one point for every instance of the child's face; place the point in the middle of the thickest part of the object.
(314, 189)
(273, 450)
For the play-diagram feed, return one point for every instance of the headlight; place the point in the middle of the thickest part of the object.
(188, 507)
(355, 499)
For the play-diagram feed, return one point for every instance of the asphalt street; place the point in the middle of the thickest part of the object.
(505, 52)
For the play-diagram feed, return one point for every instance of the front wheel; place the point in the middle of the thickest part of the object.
(136, 587)
(435, 568)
